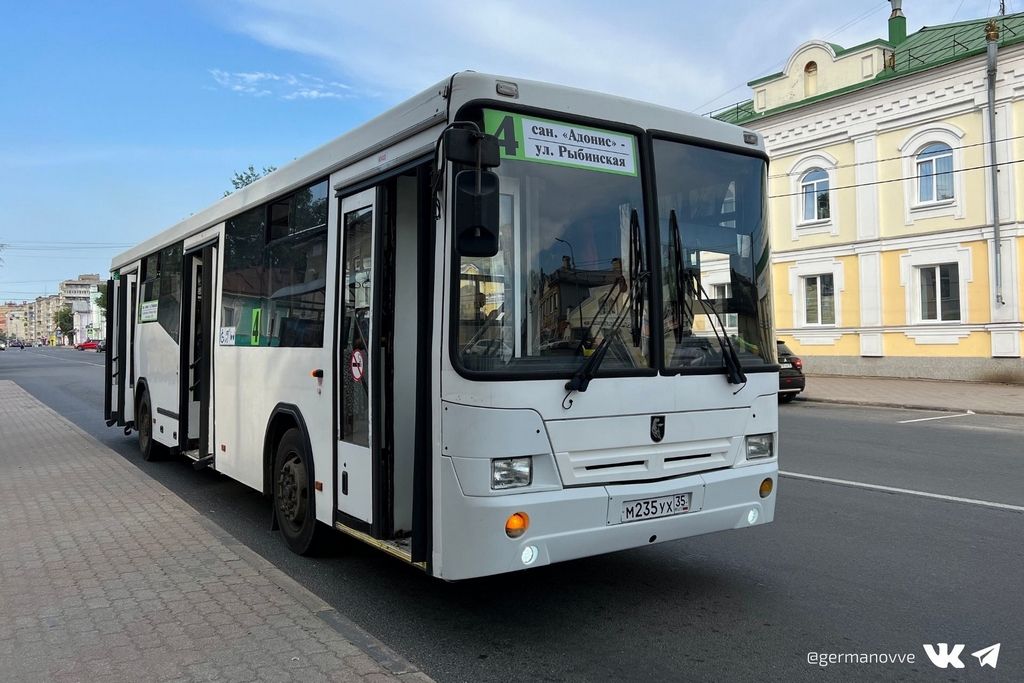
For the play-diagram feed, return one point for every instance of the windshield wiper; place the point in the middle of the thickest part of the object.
(581, 379)
(733, 368)
(680, 282)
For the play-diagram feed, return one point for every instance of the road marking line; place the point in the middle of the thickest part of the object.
(68, 360)
(940, 417)
(893, 489)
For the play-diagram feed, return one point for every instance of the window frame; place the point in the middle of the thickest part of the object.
(820, 334)
(911, 148)
(911, 264)
(815, 186)
(937, 269)
(797, 172)
(819, 290)
(920, 160)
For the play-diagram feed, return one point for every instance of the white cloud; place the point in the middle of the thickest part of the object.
(678, 53)
(285, 86)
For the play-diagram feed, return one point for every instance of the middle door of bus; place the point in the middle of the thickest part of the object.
(358, 357)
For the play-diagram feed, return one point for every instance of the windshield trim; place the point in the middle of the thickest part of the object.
(645, 168)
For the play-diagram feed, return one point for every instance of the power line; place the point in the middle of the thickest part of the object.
(778, 64)
(24, 282)
(901, 179)
(956, 12)
(878, 161)
(57, 242)
(69, 258)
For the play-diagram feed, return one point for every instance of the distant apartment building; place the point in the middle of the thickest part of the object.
(11, 319)
(897, 235)
(41, 323)
(81, 295)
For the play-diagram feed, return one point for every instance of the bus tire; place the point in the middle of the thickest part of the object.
(150, 449)
(293, 499)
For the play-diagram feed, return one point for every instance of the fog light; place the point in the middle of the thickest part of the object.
(752, 516)
(517, 524)
(766, 488)
(509, 473)
(529, 554)
(760, 446)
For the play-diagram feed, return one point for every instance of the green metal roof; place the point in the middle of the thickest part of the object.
(736, 113)
(934, 45)
(930, 47)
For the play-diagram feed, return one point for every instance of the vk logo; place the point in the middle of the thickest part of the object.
(943, 657)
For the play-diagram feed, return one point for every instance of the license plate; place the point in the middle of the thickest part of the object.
(648, 508)
(787, 365)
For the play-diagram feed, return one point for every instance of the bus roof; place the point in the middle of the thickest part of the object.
(430, 108)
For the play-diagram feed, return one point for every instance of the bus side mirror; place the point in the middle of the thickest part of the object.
(476, 213)
(470, 148)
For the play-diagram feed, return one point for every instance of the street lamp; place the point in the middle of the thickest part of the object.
(571, 253)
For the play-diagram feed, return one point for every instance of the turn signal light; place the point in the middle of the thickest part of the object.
(517, 524)
(766, 488)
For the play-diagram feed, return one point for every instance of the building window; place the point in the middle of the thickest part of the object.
(723, 295)
(940, 293)
(819, 300)
(814, 196)
(935, 174)
(932, 187)
(811, 79)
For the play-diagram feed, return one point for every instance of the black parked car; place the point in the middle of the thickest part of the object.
(101, 346)
(791, 374)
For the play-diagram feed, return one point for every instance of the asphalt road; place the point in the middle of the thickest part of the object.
(844, 569)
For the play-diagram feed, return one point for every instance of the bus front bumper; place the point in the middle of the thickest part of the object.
(581, 522)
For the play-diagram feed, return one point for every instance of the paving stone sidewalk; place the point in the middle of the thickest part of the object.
(106, 576)
(980, 397)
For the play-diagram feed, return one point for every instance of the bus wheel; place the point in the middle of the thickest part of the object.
(293, 502)
(150, 449)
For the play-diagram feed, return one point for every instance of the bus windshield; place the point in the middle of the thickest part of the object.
(714, 256)
(571, 241)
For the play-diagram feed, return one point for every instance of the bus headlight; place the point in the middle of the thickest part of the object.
(760, 446)
(510, 473)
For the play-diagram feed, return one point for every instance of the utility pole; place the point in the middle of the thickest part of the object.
(1002, 8)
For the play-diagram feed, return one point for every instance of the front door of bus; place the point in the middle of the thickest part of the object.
(357, 357)
(196, 353)
(120, 370)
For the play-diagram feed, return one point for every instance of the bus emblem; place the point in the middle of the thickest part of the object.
(657, 428)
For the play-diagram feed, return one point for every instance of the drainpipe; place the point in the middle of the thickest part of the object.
(992, 36)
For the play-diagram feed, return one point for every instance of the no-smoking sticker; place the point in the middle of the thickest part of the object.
(356, 364)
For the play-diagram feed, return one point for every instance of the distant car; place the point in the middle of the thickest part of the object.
(16, 344)
(87, 344)
(3, 345)
(101, 346)
(791, 374)
(490, 347)
(40, 345)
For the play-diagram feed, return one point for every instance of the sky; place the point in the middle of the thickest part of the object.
(120, 118)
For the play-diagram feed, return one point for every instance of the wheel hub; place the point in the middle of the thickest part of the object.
(292, 491)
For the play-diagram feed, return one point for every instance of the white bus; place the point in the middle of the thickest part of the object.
(501, 325)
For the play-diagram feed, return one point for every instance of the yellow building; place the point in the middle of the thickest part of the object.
(882, 188)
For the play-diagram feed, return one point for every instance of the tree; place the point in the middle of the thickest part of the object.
(101, 300)
(248, 177)
(64, 320)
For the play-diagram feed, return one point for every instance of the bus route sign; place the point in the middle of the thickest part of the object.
(562, 144)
